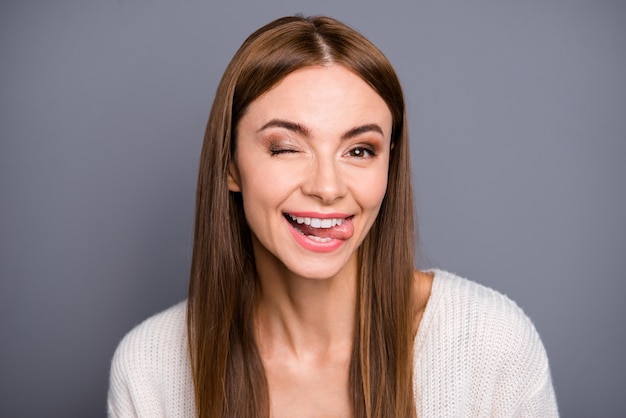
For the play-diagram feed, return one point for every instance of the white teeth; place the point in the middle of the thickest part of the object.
(318, 222)
(318, 239)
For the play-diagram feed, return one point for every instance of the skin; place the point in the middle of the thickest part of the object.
(317, 143)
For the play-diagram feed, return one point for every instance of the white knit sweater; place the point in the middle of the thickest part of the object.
(476, 355)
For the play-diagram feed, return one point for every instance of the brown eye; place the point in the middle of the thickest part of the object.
(360, 152)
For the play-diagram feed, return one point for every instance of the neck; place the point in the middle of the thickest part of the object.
(306, 317)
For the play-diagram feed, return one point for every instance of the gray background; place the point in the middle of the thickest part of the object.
(517, 115)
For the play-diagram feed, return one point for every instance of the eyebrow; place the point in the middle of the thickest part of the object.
(304, 131)
(285, 124)
(372, 127)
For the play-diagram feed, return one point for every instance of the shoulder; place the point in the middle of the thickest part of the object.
(483, 348)
(150, 370)
(460, 302)
(483, 317)
(155, 337)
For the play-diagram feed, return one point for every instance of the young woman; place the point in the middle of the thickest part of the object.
(304, 300)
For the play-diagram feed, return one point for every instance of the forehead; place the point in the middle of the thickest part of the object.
(321, 97)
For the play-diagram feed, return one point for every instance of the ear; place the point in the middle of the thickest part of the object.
(233, 178)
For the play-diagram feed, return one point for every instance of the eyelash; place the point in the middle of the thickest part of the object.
(276, 150)
(363, 150)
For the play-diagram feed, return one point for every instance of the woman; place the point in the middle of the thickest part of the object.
(303, 298)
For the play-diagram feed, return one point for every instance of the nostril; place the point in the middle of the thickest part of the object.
(325, 182)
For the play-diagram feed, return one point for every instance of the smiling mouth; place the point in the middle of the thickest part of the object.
(322, 229)
(323, 223)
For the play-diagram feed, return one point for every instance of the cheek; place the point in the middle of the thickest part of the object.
(372, 187)
(376, 195)
(263, 186)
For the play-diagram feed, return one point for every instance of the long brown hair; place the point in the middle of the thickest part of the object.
(228, 375)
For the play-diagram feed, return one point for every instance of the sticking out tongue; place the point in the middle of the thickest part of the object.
(343, 231)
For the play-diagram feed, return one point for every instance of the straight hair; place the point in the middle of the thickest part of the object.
(228, 375)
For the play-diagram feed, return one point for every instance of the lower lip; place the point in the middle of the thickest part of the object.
(309, 244)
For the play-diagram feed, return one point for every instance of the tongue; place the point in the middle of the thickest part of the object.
(343, 231)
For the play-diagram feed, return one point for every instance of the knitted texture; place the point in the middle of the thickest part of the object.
(476, 354)
(151, 372)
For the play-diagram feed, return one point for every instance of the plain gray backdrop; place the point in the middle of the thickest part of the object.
(517, 122)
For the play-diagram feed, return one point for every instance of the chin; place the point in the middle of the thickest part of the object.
(319, 270)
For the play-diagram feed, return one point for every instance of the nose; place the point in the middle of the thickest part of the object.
(324, 181)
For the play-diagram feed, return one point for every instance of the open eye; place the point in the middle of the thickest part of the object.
(361, 152)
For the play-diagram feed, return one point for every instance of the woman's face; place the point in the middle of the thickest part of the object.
(311, 164)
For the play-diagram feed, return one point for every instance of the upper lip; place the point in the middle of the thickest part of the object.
(318, 215)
